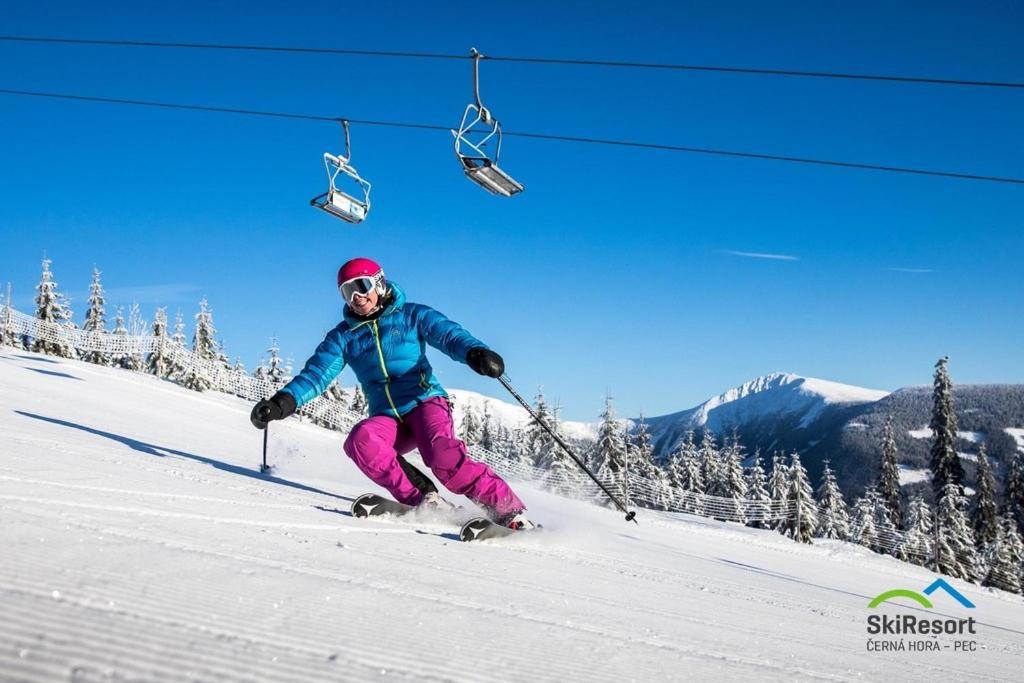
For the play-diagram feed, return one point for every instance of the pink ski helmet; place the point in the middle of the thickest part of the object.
(360, 275)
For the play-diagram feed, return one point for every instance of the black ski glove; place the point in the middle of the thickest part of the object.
(485, 362)
(277, 407)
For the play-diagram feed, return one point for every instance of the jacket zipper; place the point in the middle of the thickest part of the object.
(384, 369)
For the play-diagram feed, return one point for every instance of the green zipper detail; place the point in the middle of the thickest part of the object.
(384, 369)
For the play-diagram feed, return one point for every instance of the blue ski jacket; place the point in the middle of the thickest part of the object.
(388, 355)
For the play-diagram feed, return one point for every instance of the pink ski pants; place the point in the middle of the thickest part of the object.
(375, 443)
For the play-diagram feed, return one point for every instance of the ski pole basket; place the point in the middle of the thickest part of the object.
(351, 208)
(478, 128)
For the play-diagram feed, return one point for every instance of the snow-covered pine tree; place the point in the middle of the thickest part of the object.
(157, 362)
(50, 308)
(1014, 498)
(204, 342)
(471, 427)
(778, 488)
(945, 463)
(685, 476)
(1004, 558)
(956, 551)
(359, 405)
(95, 320)
(889, 538)
(488, 438)
(758, 497)
(802, 522)
(834, 520)
(7, 335)
(984, 516)
(733, 485)
(176, 351)
(204, 350)
(889, 474)
(917, 544)
(711, 465)
(122, 359)
(179, 329)
(654, 489)
(539, 443)
(274, 366)
(136, 328)
(862, 524)
(560, 471)
(608, 457)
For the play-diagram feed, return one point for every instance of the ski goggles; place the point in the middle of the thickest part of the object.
(361, 285)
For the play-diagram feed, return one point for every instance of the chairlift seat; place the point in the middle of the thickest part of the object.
(487, 175)
(338, 203)
(341, 205)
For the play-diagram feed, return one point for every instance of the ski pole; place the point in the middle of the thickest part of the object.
(630, 515)
(263, 467)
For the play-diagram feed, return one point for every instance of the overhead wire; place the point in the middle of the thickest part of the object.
(663, 66)
(522, 134)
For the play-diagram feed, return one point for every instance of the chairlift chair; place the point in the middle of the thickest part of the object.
(337, 202)
(478, 166)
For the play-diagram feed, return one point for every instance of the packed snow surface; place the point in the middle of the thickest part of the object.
(140, 542)
(1018, 436)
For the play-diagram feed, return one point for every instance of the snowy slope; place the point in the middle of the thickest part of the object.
(141, 543)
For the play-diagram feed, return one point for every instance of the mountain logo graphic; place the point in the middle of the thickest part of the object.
(919, 598)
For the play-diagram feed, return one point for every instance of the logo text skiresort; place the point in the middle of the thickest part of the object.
(911, 633)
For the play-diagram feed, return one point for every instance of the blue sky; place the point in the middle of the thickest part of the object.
(624, 270)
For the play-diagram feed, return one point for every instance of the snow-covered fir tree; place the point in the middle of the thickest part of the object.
(471, 430)
(945, 463)
(889, 474)
(273, 367)
(179, 329)
(359, 405)
(655, 489)
(198, 376)
(157, 362)
(123, 359)
(1004, 557)
(51, 308)
(888, 537)
(608, 456)
(561, 473)
(834, 520)
(96, 321)
(862, 523)
(204, 342)
(686, 478)
(917, 544)
(1014, 505)
(803, 519)
(758, 498)
(488, 438)
(778, 487)
(711, 465)
(984, 518)
(538, 441)
(136, 328)
(734, 484)
(956, 552)
(176, 351)
(7, 334)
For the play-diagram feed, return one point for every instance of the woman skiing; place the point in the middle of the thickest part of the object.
(383, 337)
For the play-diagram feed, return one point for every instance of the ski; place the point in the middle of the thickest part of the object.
(481, 529)
(372, 505)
